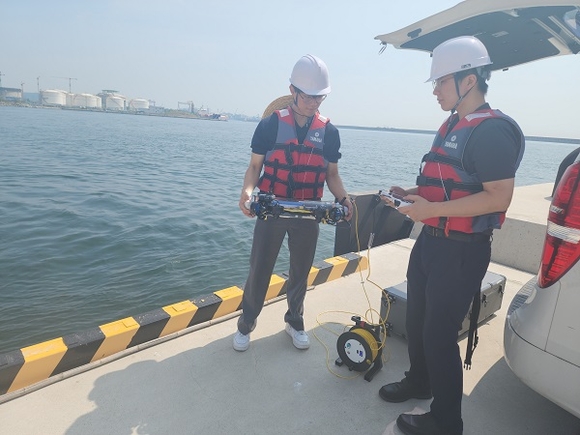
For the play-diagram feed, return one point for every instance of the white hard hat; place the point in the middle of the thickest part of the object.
(310, 75)
(458, 54)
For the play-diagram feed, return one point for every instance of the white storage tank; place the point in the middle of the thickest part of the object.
(88, 101)
(53, 97)
(11, 93)
(139, 104)
(94, 101)
(115, 102)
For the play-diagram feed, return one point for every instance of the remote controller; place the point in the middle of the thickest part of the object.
(397, 200)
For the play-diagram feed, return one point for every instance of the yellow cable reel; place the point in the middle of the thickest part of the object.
(360, 348)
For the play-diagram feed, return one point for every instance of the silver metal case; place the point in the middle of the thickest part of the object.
(492, 290)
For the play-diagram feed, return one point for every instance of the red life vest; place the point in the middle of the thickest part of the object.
(444, 177)
(293, 170)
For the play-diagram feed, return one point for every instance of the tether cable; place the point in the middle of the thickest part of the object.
(361, 334)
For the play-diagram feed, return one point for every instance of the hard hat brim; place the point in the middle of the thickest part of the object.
(438, 76)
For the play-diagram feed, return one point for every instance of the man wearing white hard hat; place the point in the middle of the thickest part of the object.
(295, 150)
(464, 188)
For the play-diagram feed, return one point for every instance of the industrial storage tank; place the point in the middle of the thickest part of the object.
(94, 101)
(11, 93)
(138, 104)
(53, 97)
(88, 101)
(115, 102)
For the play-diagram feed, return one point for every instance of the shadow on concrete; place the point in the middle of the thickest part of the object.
(503, 404)
(274, 388)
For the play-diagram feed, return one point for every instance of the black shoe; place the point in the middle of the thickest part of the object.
(419, 424)
(401, 391)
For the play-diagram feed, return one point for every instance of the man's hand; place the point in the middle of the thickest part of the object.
(419, 210)
(348, 204)
(244, 204)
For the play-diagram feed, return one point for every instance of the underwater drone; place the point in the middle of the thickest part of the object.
(266, 205)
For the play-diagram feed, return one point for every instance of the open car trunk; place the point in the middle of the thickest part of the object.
(513, 31)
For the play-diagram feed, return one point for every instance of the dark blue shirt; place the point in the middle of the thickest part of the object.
(267, 130)
(492, 150)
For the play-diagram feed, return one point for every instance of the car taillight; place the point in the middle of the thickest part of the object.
(562, 244)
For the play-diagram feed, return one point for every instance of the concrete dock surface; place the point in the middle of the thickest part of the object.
(196, 383)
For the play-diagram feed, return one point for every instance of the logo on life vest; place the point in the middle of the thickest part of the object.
(315, 138)
(451, 143)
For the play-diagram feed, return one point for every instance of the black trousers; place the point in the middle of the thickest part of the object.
(442, 277)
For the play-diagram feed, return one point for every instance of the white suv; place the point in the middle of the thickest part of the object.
(542, 329)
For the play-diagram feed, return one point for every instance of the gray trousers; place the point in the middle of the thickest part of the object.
(268, 237)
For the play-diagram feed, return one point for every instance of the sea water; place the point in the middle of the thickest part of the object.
(104, 216)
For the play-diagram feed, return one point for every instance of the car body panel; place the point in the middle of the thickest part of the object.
(533, 319)
(564, 338)
(529, 364)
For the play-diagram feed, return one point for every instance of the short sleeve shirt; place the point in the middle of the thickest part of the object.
(266, 132)
(492, 150)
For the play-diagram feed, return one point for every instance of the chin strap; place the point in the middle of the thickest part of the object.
(308, 118)
(460, 97)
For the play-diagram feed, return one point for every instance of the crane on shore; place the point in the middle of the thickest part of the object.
(189, 105)
(70, 79)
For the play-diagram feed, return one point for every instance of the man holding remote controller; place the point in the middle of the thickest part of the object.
(464, 188)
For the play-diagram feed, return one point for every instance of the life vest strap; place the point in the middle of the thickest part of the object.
(432, 156)
(422, 180)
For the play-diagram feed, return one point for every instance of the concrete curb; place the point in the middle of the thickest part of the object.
(33, 364)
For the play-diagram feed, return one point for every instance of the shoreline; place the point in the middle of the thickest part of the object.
(173, 113)
(432, 132)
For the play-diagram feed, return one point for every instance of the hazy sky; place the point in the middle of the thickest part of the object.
(236, 56)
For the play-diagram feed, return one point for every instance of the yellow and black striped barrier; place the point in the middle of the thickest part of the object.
(27, 366)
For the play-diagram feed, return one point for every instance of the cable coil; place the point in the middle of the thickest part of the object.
(358, 348)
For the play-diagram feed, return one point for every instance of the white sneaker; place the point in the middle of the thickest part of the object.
(299, 338)
(241, 341)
